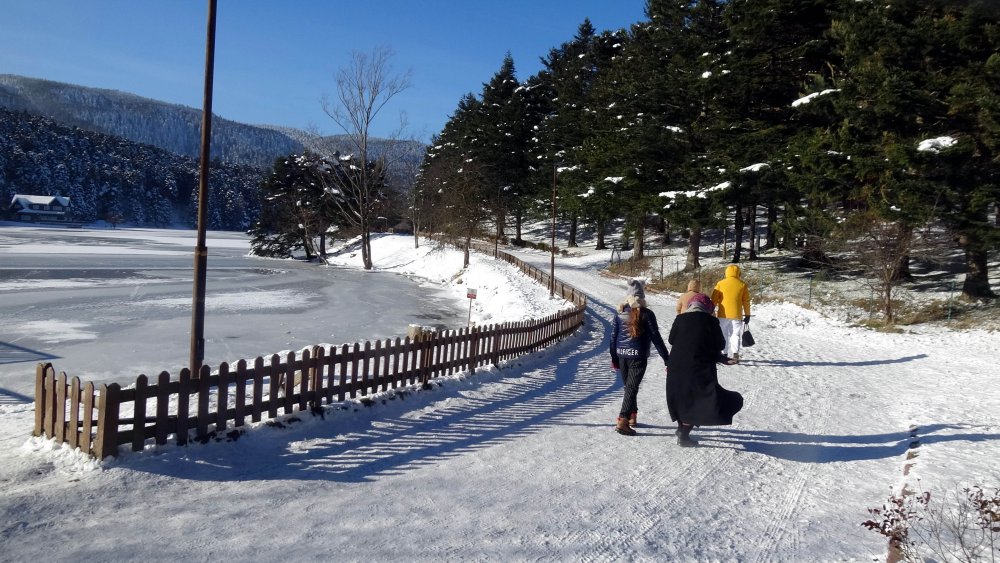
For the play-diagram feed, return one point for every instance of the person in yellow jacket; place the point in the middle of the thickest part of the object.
(732, 301)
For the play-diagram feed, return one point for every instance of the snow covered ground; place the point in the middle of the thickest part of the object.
(521, 462)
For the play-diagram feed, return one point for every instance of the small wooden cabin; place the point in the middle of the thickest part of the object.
(39, 208)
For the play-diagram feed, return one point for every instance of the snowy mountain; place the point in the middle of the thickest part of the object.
(115, 153)
(171, 127)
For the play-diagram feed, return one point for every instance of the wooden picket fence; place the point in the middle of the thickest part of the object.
(99, 419)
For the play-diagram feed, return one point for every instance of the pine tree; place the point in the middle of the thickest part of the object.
(919, 71)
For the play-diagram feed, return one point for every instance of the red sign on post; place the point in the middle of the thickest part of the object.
(470, 293)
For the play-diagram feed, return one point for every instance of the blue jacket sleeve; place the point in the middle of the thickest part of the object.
(654, 335)
(616, 326)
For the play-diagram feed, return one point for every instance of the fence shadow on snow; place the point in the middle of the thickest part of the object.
(206, 405)
(371, 445)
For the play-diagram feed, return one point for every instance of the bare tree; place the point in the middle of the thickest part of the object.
(364, 87)
(880, 245)
(461, 206)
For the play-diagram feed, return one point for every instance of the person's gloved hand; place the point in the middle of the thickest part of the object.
(746, 319)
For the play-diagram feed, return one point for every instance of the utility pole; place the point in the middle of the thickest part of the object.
(201, 250)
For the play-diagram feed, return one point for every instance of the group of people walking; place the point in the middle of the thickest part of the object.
(707, 331)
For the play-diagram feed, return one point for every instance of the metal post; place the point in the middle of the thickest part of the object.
(809, 304)
(201, 251)
(496, 243)
(552, 263)
(951, 297)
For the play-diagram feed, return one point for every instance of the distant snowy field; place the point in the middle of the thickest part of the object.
(520, 462)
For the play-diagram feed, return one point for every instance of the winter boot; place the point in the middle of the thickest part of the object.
(684, 436)
(623, 428)
(632, 419)
(736, 358)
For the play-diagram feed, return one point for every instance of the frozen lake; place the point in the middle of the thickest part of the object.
(107, 305)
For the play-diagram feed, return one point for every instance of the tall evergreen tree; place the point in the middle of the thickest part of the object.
(503, 133)
(919, 71)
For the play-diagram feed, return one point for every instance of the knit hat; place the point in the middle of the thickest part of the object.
(635, 288)
(701, 302)
(636, 295)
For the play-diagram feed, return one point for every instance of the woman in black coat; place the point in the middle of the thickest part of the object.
(694, 396)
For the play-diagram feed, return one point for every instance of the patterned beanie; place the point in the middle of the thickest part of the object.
(701, 302)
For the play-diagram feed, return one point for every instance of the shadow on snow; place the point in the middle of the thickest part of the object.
(818, 448)
(405, 434)
(13, 354)
(801, 363)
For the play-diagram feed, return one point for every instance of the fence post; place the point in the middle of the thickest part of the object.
(40, 400)
(204, 391)
(106, 442)
(74, 413)
(473, 349)
(163, 406)
(222, 398)
(139, 413)
(426, 356)
(60, 410)
(183, 405)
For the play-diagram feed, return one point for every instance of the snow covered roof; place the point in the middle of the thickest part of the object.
(27, 200)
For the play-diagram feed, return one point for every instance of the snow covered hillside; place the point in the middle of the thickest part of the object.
(521, 462)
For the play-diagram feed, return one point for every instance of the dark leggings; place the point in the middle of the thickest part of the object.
(632, 371)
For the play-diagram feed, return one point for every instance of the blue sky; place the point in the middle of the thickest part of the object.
(275, 60)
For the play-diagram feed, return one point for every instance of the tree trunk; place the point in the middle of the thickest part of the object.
(307, 246)
(772, 221)
(366, 248)
(640, 231)
(737, 235)
(601, 244)
(518, 221)
(694, 248)
(322, 244)
(977, 279)
(752, 221)
(890, 316)
(901, 267)
(664, 230)
(573, 223)
(465, 253)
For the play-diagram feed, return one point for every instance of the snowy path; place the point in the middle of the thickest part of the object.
(522, 463)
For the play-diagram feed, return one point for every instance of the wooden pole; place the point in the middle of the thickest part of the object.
(201, 251)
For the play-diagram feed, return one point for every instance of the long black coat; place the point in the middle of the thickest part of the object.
(694, 395)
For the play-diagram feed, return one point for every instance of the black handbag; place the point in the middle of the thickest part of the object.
(747, 337)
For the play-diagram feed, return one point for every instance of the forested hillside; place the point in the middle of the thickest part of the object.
(135, 159)
(171, 127)
(109, 177)
(845, 129)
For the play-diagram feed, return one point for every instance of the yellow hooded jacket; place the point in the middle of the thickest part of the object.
(731, 295)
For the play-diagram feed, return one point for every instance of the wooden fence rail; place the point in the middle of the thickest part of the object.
(100, 419)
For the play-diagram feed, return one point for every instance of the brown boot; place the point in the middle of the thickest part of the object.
(623, 428)
(632, 419)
